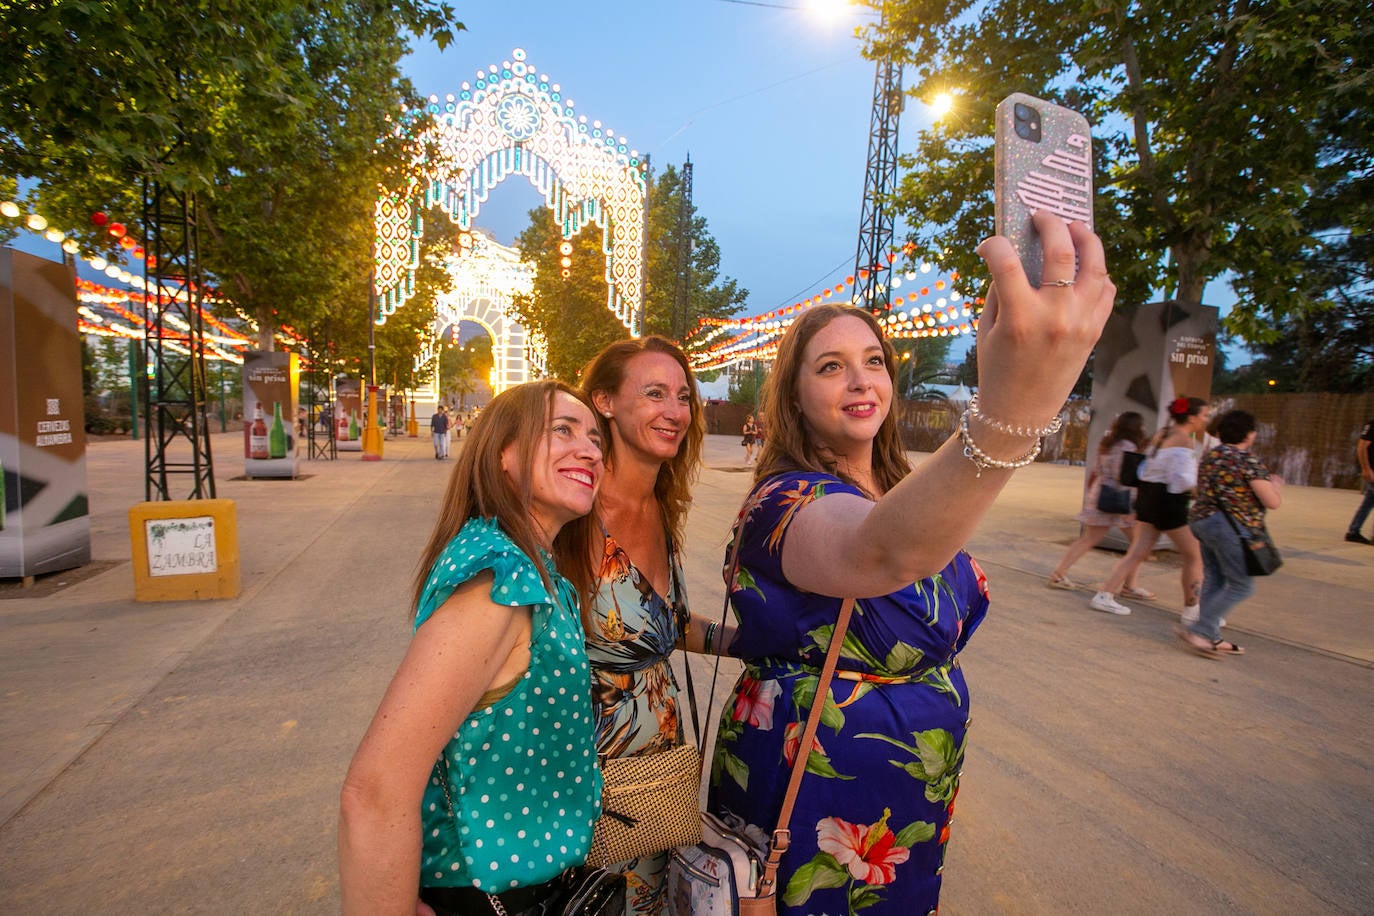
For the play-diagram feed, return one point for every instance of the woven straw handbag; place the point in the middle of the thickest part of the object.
(648, 804)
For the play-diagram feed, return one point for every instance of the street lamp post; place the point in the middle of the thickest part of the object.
(373, 433)
(223, 385)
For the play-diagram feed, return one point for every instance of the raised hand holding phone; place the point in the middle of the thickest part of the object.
(1043, 162)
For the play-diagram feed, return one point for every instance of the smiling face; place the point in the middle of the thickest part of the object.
(843, 389)
(566, 468)
(651, 410)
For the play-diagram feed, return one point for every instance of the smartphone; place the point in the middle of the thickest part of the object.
(1044, 162)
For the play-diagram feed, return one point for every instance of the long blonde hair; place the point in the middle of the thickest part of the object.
(673, 487)
(479, 487)
(786, 446)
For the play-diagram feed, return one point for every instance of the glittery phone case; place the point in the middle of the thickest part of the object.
(1052, 171)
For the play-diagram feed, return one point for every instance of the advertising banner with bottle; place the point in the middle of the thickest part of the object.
(45, 523)
(348, 415)
(270, 379)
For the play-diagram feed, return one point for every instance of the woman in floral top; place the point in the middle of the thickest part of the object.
(838, 511)
(639, 613)
(1230, 482)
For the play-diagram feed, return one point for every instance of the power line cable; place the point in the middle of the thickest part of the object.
(771, 6)
(691, 119)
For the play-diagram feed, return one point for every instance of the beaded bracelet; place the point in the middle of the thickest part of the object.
(982, 460)
(1025, 432)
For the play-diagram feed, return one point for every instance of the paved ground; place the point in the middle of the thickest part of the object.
(186, 757)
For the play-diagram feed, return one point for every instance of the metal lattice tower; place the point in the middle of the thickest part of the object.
(872, 267)
(177, 433)
(682, 288)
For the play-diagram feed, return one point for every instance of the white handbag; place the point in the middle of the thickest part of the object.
(709, 878)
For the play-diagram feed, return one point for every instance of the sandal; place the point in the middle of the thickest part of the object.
(1143, 594)
(1225, 647)
(1199, 644)
(1063, 582)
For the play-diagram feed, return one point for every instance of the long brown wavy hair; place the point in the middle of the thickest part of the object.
(673, 488)
(786, 445)
(479, 487)
(1129, 426)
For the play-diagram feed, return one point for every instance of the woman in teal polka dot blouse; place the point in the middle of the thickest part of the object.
(476, 787)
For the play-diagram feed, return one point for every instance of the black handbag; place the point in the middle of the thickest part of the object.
(579, 891)
(1113, 500)
(594, 892)
(1261, 556)
(1130, 468)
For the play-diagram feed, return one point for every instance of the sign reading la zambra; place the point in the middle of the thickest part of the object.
(181, 546)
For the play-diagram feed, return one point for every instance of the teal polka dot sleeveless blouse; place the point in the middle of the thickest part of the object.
(522, 773)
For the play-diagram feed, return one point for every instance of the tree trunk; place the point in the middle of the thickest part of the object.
(266, 329)
(1190, 257)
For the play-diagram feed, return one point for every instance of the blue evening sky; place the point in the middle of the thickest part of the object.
(771, 103)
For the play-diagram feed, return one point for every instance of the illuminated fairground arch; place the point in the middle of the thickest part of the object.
(512, 120)
(486, 278)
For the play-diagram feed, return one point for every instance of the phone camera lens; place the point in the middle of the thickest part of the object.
(1027, 122)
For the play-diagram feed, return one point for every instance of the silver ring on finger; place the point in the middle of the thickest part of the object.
(1059, 283)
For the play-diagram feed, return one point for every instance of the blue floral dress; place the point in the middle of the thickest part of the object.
(873, 811)
(634, 630)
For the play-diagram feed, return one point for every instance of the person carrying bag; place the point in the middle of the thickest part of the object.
(1234, 490)
(451, 799)
(730, 873)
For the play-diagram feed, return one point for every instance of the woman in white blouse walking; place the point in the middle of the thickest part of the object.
(1167, 479)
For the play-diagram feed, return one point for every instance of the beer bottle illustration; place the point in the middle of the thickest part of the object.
(341, 427)
(352, 424)
(257, 436)
(276, 438)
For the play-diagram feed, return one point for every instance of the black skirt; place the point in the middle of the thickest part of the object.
(1157, 506)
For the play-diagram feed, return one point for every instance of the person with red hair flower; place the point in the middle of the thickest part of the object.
(1167, 478)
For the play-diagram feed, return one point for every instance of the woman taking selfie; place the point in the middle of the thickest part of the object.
(452, 795)
(837, 511)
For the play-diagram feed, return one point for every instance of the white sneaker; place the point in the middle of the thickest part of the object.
(1107, 604)
(1190, 614)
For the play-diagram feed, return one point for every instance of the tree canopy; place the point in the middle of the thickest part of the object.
(1231, 137)
(283, 116)
(571, 312)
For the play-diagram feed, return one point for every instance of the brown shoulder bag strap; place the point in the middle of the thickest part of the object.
(782, 836)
